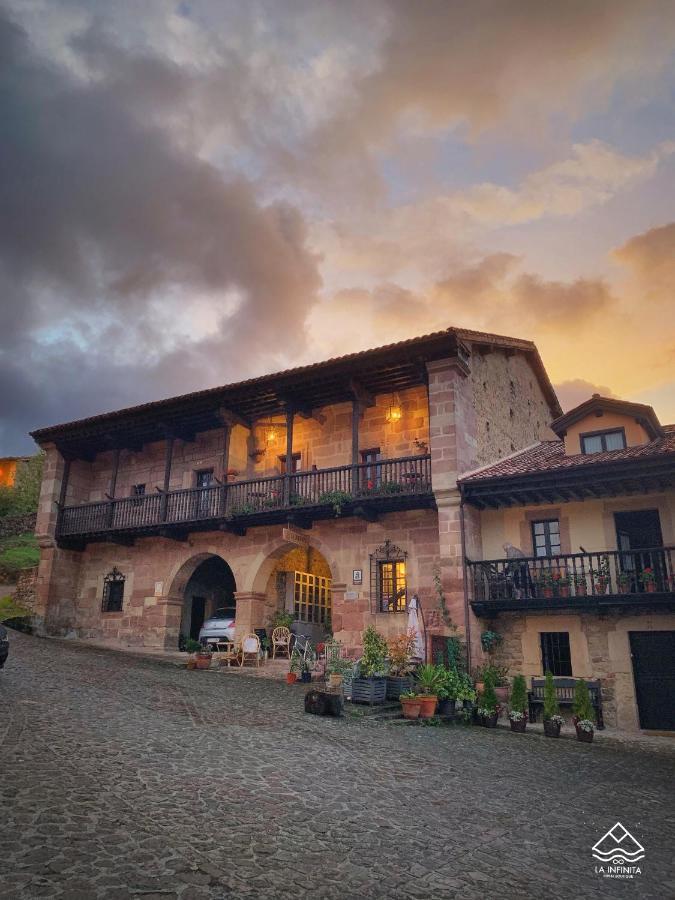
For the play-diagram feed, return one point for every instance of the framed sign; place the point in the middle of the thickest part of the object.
(357, 576)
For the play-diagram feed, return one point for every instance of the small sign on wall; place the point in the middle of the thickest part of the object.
(357, 576)
(351, 595)
(159, 588)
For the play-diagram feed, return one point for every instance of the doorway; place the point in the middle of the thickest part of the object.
(653, 655)
(198, 614)
(209, 590)
(638, 533)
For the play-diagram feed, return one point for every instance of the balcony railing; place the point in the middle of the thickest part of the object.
(572, 578)
(338, 489)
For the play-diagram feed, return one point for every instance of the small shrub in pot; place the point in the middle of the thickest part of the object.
(552, 719)
(582, 711)
(518, 714)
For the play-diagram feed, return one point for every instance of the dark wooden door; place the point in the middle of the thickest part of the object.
(653, 654)
(198, 614)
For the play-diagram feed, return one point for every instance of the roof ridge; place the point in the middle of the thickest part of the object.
(503, 459)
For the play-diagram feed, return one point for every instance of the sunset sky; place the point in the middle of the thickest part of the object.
(196, 192)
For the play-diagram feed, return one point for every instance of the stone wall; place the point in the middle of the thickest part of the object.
(24, 593)
(15, 525)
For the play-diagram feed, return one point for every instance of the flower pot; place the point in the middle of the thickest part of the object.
(502, 694)
(203, 660)
(586, 737)
(547, 593)
(369, 690)
(490, 721)
(480, 687)
(335, 680)
(427, 706)
(306, 677)
(519, 726)
(191, 663)
(446, 707)
(624, 588)
(600, 585)
(650, 587)
(411, 708)
(580, 590)
(564, 590)
(291, 677)
(551, 729)
(397, 685)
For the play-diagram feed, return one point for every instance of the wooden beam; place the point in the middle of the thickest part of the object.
(290, 415)
(307, 412)
(113, 474)
(168, 456)
(124, 540)
(227, 417)
(364, 397)
(233, 528)
(366, 512)
(173, 534)
(301, 521)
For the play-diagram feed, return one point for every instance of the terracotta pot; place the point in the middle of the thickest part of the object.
(624, 588)
(480, 687)
(564, 590)
(291, 677)
(502, 694)
(600, 585)
(650, 587)
(586, 737)
(519, 726)
(203, 660)
(335, 680)
(411, 708)
(551, 729)
(580, 590)
(547, 593)
(427, 705)
(191, 663)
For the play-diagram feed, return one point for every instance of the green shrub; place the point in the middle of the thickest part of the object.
(582, 707)
(519, 694)
(18, 552)
(551, 707)
(488, 699)
(375, 651)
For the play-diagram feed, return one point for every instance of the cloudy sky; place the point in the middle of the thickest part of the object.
(196, 192)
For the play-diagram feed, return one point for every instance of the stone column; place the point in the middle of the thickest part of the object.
(250, 612)
(452, 444)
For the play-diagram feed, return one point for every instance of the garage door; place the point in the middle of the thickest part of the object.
(653, 655)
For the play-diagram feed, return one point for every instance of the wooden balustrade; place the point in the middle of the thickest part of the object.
(339, 486)
(572, 575)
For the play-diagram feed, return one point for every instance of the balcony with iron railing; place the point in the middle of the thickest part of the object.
(595, 580)
(365, 489)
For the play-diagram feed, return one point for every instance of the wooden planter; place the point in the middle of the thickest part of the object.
(398, 685)
(586, 737)
(518, 726)
(490, 721)
(551, 729)
(369, 690)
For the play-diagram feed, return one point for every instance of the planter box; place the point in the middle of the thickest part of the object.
(397, 686)
(446, 708)
(369, 690)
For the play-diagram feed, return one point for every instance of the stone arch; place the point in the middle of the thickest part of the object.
(264, 562)
(179, 588)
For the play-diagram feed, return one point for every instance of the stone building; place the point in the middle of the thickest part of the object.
(328, 490)
(573, 562)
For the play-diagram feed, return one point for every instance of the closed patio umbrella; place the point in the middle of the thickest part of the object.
(416, 624)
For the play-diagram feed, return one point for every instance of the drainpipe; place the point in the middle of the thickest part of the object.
(465, 581)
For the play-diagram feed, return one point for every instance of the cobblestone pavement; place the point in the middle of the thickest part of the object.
(122, 777)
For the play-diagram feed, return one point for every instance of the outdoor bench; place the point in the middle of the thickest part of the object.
(564, 691)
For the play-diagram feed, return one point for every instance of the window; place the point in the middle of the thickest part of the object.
(555, 653)
(137, 490)
(546, 537)
(295, 463)
(599, 441)
(113, 591)
(312, 598)
(204, 478)
(388, 586)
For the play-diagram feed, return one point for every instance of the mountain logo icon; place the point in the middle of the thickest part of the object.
(618, 846)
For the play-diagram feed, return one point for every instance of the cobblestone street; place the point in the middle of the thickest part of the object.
(123, 777)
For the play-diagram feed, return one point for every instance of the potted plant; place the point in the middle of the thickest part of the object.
(294, 667)
(561, 582)
(466, 692)
(410, 703)
(624, 582)
(601, 576)
(579, 580)
(306, 671)
(203, 658)
(447, 692)
(490, 640)
(545, 582)
(552, 719)
(192, 647)
(648, 579)
(518, 714)
(400, 650)
(337, 670)
(582, 710)
(497, 676)
(488, 705)
(371, 684)
(429, 680)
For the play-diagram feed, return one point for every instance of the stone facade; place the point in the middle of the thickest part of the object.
(441, 419)
(15, 525)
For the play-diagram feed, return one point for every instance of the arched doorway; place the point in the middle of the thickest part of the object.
(209, 589)
(300, 585)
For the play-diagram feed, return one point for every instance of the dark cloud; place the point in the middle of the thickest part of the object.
(110, 228)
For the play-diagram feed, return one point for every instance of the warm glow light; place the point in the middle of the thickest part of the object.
(271, 436)
(394, 414)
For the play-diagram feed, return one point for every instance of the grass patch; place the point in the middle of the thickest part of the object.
(18, 552)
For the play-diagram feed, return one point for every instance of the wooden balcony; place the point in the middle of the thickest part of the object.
(609, 578)
(363, 490)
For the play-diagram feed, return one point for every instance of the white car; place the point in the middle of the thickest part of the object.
(218, 627)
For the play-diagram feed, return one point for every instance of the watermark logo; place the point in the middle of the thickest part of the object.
(618, 851)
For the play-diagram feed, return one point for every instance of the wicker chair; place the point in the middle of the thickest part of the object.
(250, 649)
(281, 640)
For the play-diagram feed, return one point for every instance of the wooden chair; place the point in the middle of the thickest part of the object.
(250, 649)
(281, 640)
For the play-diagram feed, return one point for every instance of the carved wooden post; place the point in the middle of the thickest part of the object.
(290, 415)
(113, 485)
(167, 476)
(356, 413)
